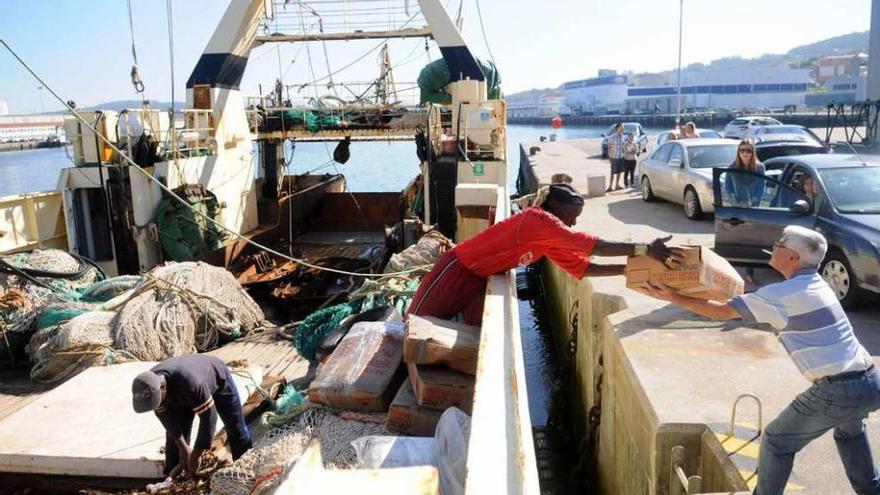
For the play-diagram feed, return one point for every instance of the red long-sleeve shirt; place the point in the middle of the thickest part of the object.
(521, 240)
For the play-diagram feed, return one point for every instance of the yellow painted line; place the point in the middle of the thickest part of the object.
(751, 480)
(748, 424)
(733, 445)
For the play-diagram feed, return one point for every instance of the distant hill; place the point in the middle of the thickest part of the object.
(799, 56)
(839, 45)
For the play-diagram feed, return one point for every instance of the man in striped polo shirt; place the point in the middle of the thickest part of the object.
(818, 336)
(182, 387)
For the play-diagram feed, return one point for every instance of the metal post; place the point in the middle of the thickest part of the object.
(680, 18)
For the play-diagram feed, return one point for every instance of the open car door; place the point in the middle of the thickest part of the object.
(751, 210)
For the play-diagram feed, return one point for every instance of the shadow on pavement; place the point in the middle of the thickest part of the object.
(660, 215)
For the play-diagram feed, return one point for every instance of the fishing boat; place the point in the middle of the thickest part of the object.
(209, 182)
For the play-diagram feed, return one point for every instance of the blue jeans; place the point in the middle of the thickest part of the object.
(841, 405)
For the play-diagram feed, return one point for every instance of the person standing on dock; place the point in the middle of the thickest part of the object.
(457, 282)
(182, 387)
(615, 156)
(815, 331)
(630, 154)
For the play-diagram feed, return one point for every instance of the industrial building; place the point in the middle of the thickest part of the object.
(598, 95)
(769, 87)
(14, 128)
(846, 89)
(537, 103)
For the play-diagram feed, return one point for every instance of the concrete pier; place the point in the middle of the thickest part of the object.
(651, 377)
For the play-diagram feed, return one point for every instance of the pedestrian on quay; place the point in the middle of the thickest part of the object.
(630, 155)
(615, 156)
(689, 131)
(182, 387)
(457, 282)
(746, 190)
(816, 333)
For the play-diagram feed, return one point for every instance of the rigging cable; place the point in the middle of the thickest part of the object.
(483, 29)
(173, 126)
(182, 201)
(135, 76)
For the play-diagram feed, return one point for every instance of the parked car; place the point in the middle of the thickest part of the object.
(843, 204)
(737, 128)
(628, 127)
(703, 133)
(787, 145)
(681, 171)
(774, 132)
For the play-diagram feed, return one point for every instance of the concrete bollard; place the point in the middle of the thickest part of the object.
(595, 186)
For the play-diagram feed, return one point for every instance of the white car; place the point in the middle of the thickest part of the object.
(739, 127)
(781, 133)
(681, 171)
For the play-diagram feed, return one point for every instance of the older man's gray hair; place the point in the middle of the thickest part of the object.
(811, 246)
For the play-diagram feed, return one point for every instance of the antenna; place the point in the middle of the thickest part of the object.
(856, 153)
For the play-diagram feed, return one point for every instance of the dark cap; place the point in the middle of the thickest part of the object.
(146, 392)
(566, 194)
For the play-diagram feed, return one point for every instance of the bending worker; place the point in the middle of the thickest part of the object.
(180, 388)
(815, 331)
(457, 283)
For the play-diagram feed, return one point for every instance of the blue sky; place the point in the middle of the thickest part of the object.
(82, 47)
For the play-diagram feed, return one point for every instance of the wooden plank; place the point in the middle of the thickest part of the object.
(87, 427)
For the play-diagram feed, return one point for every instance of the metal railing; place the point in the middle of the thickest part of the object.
(29, 221)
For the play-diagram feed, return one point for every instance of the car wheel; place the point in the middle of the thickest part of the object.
(692, 208)
(647, 192)
(838, 274)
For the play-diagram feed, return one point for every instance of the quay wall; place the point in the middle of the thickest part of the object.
(708, 120)
(625, 446)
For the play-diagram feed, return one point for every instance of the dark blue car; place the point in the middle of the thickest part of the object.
(835, 194)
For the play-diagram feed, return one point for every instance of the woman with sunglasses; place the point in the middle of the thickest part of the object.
(745, 190)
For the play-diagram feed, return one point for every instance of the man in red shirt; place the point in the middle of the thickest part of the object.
(457, 283)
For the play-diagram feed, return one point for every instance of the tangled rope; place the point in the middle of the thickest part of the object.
(175, 309)
(260, 468)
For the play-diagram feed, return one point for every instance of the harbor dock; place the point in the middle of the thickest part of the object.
(655, 385)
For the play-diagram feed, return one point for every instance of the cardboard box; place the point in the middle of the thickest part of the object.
(703, 274)
(439, 387)
(406, 416)
(362, 373)
(431, 340)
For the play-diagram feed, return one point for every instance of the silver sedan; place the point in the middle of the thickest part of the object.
(681, 171)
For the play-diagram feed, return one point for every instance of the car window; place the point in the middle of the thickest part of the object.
(774, 150)
(716, 155)
(662, 154)
(675, 154)
(853, 189)
(744, 189)
(739, 122)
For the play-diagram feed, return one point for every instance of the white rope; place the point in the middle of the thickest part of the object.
(172, 194)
